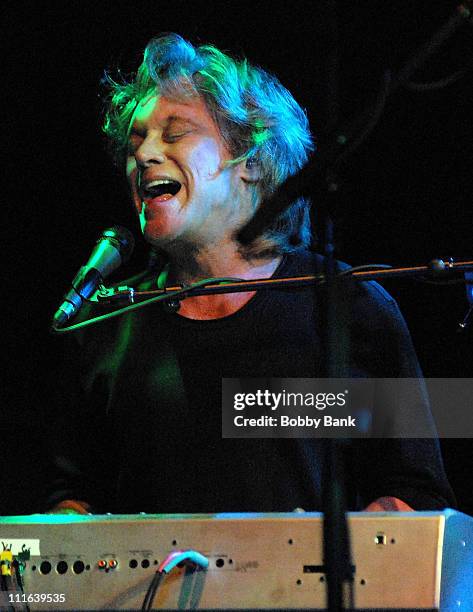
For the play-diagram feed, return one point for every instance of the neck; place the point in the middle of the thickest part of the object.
(217, 260)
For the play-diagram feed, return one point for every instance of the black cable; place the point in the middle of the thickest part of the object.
(151, 592)
(19, 582)
(173, 559)
(374, 115)
(364, 267)
(440, 84)
(4, 588)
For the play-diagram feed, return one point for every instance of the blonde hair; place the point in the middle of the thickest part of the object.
(258, 118)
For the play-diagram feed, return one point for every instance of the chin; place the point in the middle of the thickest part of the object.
(159, 235)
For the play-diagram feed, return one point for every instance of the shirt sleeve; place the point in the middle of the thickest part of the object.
(77, 435)
(397, 463)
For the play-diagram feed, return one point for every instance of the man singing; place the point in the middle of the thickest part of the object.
(204, 138)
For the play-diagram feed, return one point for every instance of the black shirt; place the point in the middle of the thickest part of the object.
(142, 429)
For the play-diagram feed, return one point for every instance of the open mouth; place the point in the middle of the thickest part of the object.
(159, 188)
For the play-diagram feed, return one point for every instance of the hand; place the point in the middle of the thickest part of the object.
(388, 504)
(70, 506)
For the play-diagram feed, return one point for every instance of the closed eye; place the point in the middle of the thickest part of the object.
(175, 136)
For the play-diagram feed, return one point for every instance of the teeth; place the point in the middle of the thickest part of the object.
(158, 187)
(158, 182)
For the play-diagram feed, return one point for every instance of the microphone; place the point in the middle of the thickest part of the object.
(114, 247)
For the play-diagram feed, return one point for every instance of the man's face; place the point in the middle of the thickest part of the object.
(181, 187)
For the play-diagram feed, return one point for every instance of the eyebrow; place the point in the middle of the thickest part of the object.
(175, 118)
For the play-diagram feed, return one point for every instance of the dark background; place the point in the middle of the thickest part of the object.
(406, 194)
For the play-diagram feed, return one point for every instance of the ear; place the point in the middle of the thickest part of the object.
(250, 170)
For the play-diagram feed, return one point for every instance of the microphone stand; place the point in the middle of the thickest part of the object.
(335, 348)
(361, 273)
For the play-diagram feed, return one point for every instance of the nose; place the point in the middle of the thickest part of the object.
(150, 151)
